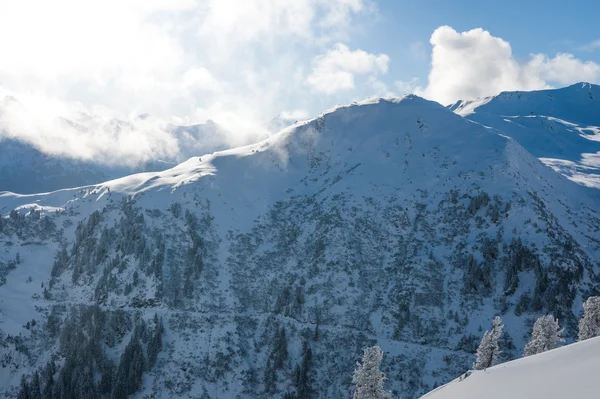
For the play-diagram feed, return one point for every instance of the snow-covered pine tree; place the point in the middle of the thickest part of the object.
(368, 378)
(589, 325)
(488, 350)
(546, 335)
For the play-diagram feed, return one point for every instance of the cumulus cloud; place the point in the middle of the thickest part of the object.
(471, 64)
(563, 69)
(334, 71)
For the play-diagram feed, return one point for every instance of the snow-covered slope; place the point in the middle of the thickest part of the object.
(567, 372)
(561, 126)
(272, 266)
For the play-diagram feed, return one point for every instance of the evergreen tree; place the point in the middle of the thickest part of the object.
(48, 374)
(589, 325)
(302, 374)
(24, 389)
(35, 391)
(546, 335)
(276, 359)
(368, 377)
(489, 350)
(280, 349)
(105, 385)
(155, 344)
(128, 378)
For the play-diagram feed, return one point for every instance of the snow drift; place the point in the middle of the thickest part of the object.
(566, 372)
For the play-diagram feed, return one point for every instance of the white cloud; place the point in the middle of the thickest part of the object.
(92, 41)
(227, 26)
(339, 12)
(407, 86)
(418, 51)
(202, 79)
(378, 88)
(84, 135)
(294, 115)
(591, 46)
(563, 69)
(335, 70)
(473, 64)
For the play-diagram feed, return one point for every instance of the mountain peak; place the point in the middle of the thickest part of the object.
(583, 85)
(407, 102)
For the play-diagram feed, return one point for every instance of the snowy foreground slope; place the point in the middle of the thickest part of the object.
(271, 267)
(567, 372)
(559, 126)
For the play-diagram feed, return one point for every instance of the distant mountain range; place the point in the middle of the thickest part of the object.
(561, 127)
(27, 169)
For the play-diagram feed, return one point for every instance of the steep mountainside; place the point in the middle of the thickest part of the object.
(561, 127)
(567, 372)
(270, 267)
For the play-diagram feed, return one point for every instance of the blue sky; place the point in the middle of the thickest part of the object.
(243, 62)
(402, 30)
(531, 27)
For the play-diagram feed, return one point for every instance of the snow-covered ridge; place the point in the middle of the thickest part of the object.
(577, 103)
(292, 141)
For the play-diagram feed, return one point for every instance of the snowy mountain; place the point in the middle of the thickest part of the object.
(561, 127)
(567, 372)
(270, 267)
(26, 168)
